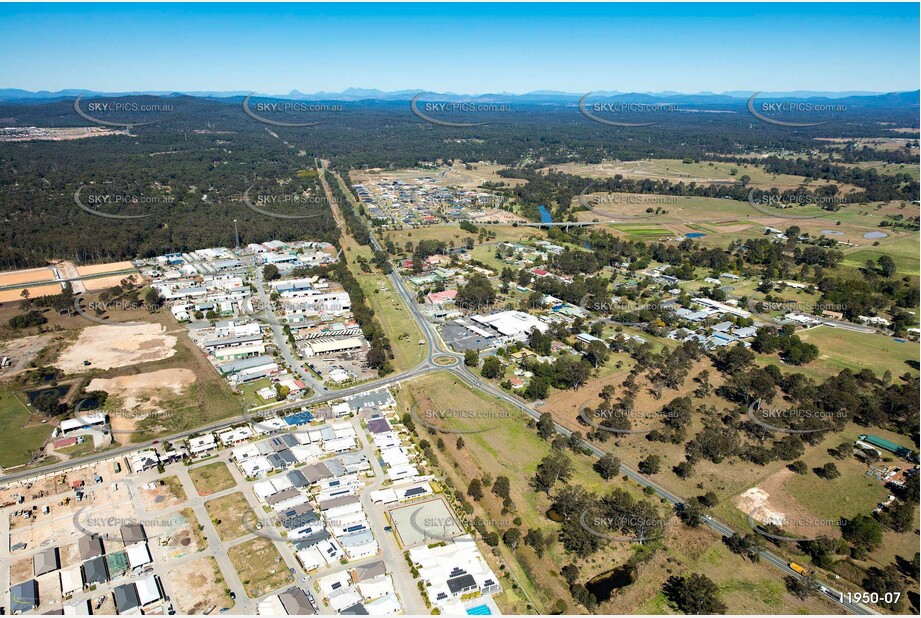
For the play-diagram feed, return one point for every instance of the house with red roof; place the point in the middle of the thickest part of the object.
(440, 299)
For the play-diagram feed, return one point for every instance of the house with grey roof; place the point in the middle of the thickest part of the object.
(46, 561)
(332, 503)
(24, 597)
(133, 533)
(298, 479)
(95, 571)
(310, 540)
(282, 460)
(90, 546)
(295, 602)
(316, 472)
(378, 425)
(335, 467)
(126, 598)
(281, 496)
(369, 571)
(298, 516)
(354, 610)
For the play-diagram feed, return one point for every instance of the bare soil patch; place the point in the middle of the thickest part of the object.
(197, 585)
(107, 347)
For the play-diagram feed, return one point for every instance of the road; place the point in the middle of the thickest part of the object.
(437, 348)
(281, 339)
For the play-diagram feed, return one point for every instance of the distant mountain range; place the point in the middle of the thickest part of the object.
(537, 97)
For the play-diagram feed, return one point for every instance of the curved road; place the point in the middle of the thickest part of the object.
(436, 347)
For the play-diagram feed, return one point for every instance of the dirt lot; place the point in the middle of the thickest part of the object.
(107, 347)
(103, 501)
(26, 276)
(769, 503)
(260, 566)
(140, 395)
(162, 494)
(184, 540)
(95, 269)
(15, 294)
(197, 585)
(228, 514)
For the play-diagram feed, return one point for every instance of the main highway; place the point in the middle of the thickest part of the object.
(436, 349)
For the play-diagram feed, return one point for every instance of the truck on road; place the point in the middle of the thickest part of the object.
(799, 569)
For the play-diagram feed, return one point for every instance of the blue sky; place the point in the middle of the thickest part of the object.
(463, 48)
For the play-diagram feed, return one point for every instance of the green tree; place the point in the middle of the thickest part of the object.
(862, 531)
(607, 466)
(270, 272)
(694, 594)
(492, 368)
(475, 489)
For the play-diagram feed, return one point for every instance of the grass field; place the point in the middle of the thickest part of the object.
(840, 349)
(174, 486)
(388, 308)
(396, 320)
(509, 447)
(20, 437)
(228, 514)
(677, 171)
(641, 230)
(78, 449)
(452, 232)
(259, 566)
(211, 478)
(903, 251)
(886, 168)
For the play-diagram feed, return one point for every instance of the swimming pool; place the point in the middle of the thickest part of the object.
(695, 235)
(479, 610)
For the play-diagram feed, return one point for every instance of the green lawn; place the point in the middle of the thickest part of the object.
(853, 350)
(248, 392)
(212, 478)
(641, 230)
(78, 449)
(903, 251)
(19, 437)
(394, 317)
